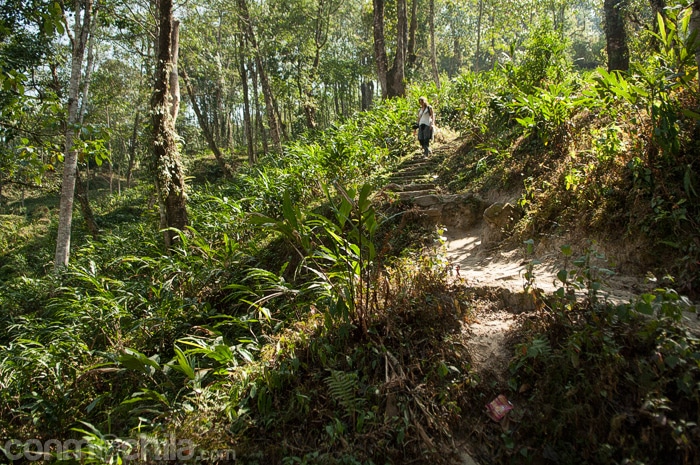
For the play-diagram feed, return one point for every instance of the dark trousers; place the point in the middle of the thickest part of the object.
(425, 133)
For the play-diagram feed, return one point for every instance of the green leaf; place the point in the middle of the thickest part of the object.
(443, 370)
(135, 360)
(691, 114)
(562, 275)
(183, 364)
(644, 308)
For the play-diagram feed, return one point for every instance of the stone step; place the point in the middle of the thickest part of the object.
(405, 181)
(394, 187)
(418, 187)
(417, 163)
(413, 195)
(411, 178)
(427, 200)
(416, 168)
(409, 173)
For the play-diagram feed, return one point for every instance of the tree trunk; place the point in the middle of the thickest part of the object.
(336, 100)
(258, 113)
(456, 57)
(433, 52)
(219, 125)
(132, 149)
(477, 53)
(278, 116)
(272, 121)
(248, 126)
(396, 85)
(218, 115)
(367, 90)
(173, 76)
(615, 36)
(82, 190)
(70, 162)
(494, 57)
(320, 37)
(380, 57)
(170, 177)
(89, 67)
(412, 29)
(111, 155)
(82, 196)
(206, 130)
(559, 18)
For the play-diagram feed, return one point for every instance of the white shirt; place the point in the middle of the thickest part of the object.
(424, 116)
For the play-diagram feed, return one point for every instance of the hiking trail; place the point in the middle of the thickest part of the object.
(484, 261)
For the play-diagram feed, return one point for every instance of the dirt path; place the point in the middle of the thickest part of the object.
(496, 272)
(505, 268)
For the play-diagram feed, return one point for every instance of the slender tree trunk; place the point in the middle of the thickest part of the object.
(322, 21)
(83, 190)
(174, 83)
(492, 22)
(89, 67)
(218, 107)
(170, 177)
(248, 127)
(206, 130)
(615, 35)
(132, 149)
(477, 53)
(367, 90)
(70, 162)
(433, 51)
(258, 112)
(272, 121)
(278, 116)
(396, 85)
(412, 29)
(111, 154)
(345, 101)
(456, 56)
(336, 100)
(380, 57)
(82, 196)
(220, 115)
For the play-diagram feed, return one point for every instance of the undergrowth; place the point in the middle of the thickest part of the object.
(604, 383)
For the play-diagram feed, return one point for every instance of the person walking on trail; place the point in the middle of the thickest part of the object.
(426, 120)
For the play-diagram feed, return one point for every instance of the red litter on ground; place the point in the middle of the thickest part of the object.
(498, 408)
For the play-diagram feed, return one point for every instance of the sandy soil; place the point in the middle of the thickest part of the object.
(501, 269)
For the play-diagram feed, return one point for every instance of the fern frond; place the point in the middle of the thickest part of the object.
(343, 387)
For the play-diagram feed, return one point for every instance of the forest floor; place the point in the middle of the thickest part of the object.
(495, 272)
